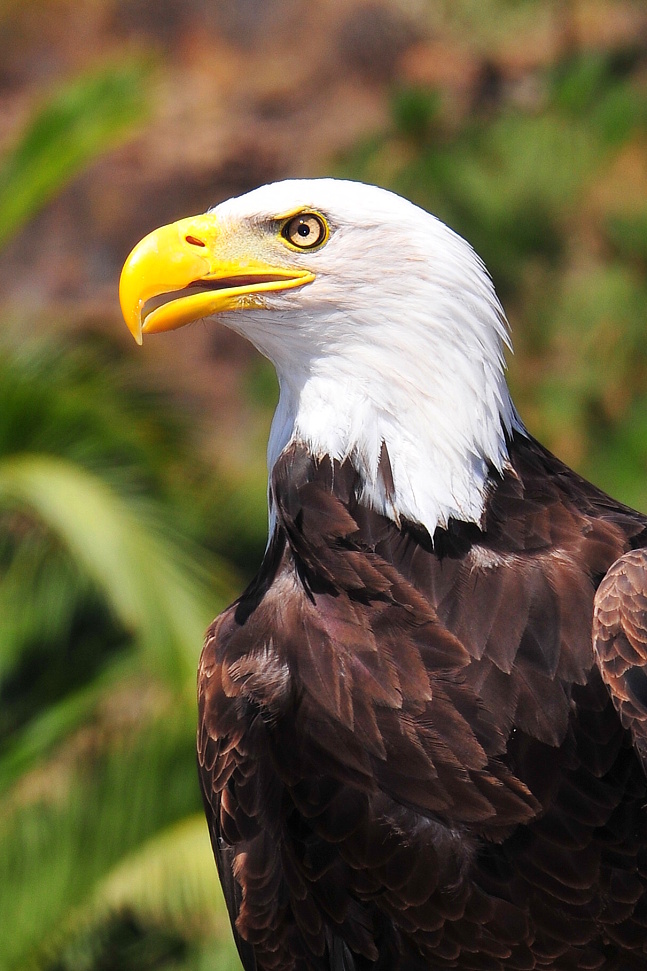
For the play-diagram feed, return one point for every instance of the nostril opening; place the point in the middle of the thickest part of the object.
(194, 241)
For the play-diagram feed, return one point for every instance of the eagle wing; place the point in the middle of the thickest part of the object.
(620, 641)
(320, 746)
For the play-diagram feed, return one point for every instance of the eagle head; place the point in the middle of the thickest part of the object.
(382, 323)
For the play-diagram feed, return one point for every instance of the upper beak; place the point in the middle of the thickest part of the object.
(187, 264)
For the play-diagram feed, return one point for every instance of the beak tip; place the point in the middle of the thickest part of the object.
(134, 324)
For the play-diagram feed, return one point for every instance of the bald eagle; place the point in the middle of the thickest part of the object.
(423, 727)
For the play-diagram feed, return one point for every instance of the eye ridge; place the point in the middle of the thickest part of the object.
(306, 230)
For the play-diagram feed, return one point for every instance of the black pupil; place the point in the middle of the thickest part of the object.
(303, 230)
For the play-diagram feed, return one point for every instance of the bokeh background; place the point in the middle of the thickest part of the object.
(132, 480)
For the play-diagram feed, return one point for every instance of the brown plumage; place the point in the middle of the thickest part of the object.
(408, 755)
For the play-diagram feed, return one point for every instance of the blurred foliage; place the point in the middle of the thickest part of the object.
(108, 579)
(104, 598)
(79, 122)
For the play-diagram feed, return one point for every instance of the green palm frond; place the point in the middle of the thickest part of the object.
(73, 821)
(77, 537)
(76, 124)
(171, 883)
(50, 725)
(151, 581)
(171, 880)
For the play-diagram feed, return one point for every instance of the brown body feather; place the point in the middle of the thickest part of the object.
(410, 754)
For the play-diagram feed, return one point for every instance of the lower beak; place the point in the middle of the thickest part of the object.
(180, 273)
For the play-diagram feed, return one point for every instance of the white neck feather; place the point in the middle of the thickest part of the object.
(442, 413)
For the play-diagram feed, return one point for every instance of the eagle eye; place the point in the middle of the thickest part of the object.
(306, 230)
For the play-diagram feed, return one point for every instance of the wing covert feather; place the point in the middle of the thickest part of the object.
(620, 641)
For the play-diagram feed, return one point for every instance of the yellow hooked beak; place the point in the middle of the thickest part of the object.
(191, 269)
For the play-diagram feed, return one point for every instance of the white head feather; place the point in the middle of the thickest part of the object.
(399, 340)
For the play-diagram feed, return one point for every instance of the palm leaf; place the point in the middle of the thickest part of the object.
(170, 880)
(169, 883)
(149, 578)
(74, 126)
(56, 722)
(70, 824)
